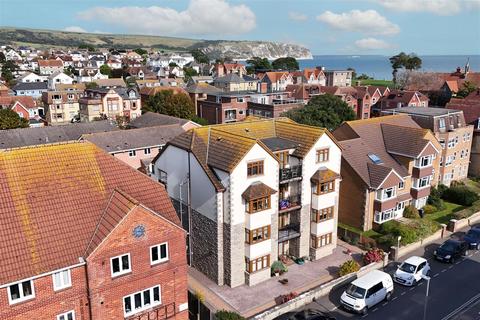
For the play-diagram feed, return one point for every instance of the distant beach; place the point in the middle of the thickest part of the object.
(379, 67)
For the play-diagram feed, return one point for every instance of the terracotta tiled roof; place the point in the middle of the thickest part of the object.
(151, 91)
(50, 63)
(83, 192)
(324, 174)
(452, 85)
(26, 101)
(257, 190)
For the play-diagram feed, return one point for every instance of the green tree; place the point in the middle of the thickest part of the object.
(2, 57)
(467, 88)
(200, 121)
(188, 73)
(141, 51)
(200, 56)
(106, 70)
(70, 70)
(326, 111)
(173, 104)
(89, 47)
(256, 63)
(9, 119)
(287, 63)
(228, 315)
(402, 60)
(172, 64)
(354, 73)
(8, 69)
(91, 85)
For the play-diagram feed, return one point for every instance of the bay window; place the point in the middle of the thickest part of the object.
(424, 161)
(385, 194)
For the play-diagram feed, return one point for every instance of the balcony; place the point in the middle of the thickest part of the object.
(288, 232)
(294, 172)
(289, 203)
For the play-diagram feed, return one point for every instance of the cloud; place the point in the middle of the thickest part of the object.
(372, 44)
(439, 7)
(201, 17)
(367, 22)
(297, 16)
(74, 29)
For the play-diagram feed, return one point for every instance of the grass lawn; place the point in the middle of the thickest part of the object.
(370, 233)
(446, 214)
(373, 82)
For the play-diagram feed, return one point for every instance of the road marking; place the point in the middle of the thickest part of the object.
(436, 275)
(384, 304)
(403, 293)
(443, 270)
(459, 309)
(334, 309)
(374, 309)
(420, 284)
(394, 298)
(450, 267)
(412, 288)
(459, 261)
(365, 315)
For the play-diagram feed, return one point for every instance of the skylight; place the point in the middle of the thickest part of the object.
(375, 159)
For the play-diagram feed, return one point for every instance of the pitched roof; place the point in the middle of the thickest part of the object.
(257, 190)
(380, 138)
(34, 136)
(223, 146)
(93, 191)
(50, 63)
(26, 101)
(153, 119)
(112, 82)
(324, 174)
(116, 141)
(151, 91)
(202, 88)
(30, 86)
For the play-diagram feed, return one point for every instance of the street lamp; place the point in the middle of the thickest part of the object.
(426, 295)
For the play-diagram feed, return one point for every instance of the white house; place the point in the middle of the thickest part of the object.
(12, 55)
(258, 190)
(32, 77)
(58, 78)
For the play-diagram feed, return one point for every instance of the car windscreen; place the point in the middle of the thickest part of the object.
(407, 267)
(448, 246)
(355, 291)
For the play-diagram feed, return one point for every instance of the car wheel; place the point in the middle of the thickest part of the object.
(364, 310)
(388, 297)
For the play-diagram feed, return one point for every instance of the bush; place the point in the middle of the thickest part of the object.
(429, 209)
(411, 212)
(460, 194)
(228, 315)
(373, 255)
(387, 240)
(279, 267)
(423, 228)
(347, 267)
(395, 229)
(435, 198)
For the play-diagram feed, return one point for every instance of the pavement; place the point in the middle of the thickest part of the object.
(454, 292)
(250, 300)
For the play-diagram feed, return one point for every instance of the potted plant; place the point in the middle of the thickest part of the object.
(278, 268)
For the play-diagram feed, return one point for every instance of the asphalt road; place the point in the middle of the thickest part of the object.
(454, 293)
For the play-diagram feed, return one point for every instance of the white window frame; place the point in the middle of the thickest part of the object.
(401, 185)
(62, 285)
(132, 153)
(383, 194)
(160, 259)
(417, 182)
(121, 272)
(419, 161)
(143, 307)
(147, 151)
(22, 297)
(65, 315)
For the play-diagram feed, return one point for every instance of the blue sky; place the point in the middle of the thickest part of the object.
(324, 26)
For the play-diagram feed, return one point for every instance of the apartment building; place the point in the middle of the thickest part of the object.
(62, 106)
(338, 78)
(400, 99)
(109, 103)
(232, 82)
(51, 66)
(255, 190)
(454, 135)
(388, 163)
(94, 244)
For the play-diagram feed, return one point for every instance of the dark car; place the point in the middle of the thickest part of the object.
(310, 314)
(451, 250)
(472, 238)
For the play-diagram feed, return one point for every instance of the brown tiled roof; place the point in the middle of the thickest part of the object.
(404, 140)
(257, 190)
(324, 174)
(26, 101)
(82, 194)
(50, 63)
(112, 82)
(363, 137)
(151, 91)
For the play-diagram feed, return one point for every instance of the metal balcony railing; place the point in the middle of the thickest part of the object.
(289, 202)
(288, 232)
(158, 313)
(291, 173)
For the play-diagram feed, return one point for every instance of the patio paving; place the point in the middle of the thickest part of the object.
(249, 301)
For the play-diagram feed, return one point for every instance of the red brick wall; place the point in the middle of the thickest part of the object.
(107, 292)
(48, 303)
(19, 109)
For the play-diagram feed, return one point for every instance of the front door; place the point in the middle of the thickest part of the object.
(283, 248)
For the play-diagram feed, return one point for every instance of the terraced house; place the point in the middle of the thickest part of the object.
(87, 238)
(255, 190)
(388, 163)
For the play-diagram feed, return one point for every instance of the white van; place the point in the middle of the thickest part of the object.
(367, 291)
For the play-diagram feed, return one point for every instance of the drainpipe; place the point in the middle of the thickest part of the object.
(88, 288)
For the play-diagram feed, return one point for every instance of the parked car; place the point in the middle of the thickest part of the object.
(367, 291)
(310, 314)
(472, 238)
(451, 250)
(410, 272)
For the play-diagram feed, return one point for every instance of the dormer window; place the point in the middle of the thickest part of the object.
(424, 161)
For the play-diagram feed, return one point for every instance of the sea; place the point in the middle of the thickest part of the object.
(379, 67)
